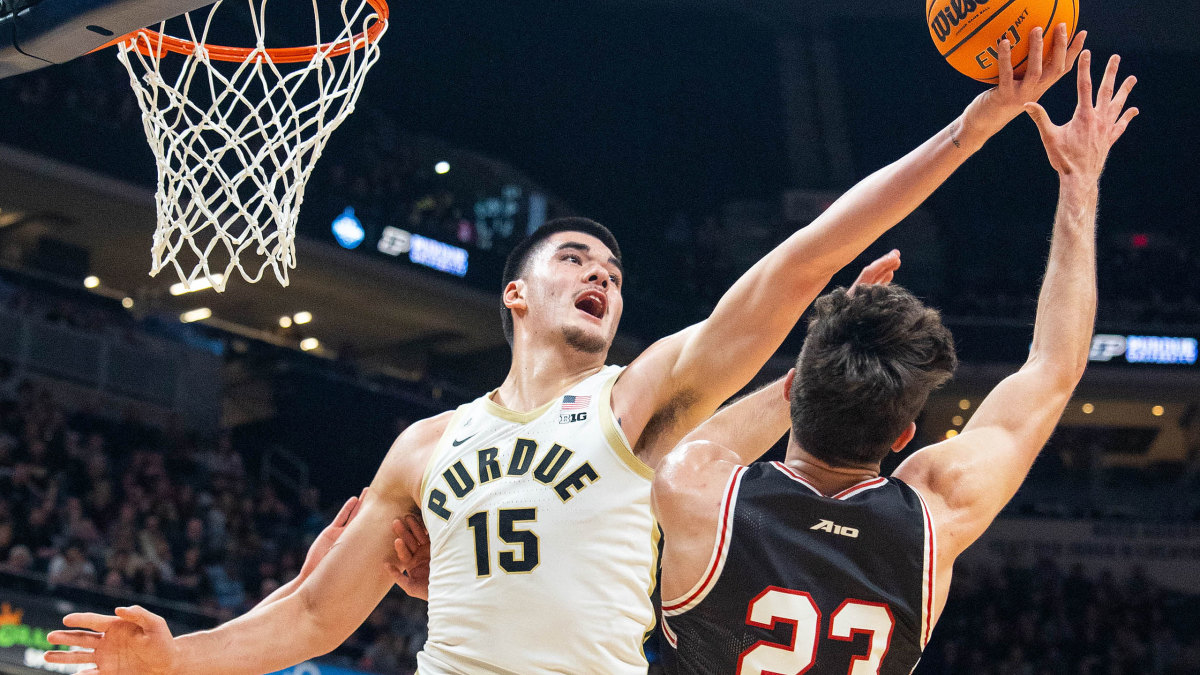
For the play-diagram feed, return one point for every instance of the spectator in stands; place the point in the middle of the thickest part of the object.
(70, 567)
(8, 531)
(8, 380)
(385, 655)
(19, 560)
(40, 527)
(224, 464)
(1065, 625)
(191, 582)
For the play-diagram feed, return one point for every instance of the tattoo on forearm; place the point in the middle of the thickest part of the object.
(954, 140)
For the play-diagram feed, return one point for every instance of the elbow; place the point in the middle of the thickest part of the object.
(1061, 374)
(1075, 369)
(311, 629)
(798, 267)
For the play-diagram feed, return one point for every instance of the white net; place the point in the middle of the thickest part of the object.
(235, 142)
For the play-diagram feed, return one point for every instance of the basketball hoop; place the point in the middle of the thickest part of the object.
(235, 134)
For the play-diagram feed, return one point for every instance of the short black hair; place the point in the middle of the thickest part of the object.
(867, 367)
(514, 265)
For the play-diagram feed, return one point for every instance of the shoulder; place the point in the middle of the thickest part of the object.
(947, 472)
(428, 430)
(931, 472)
(418, 436)
(693, 473)
(954, 488)
(405, 462)
(694, 457)
(648, 396)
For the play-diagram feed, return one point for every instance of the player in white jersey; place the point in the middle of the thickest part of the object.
(514, 504)
(542, 550)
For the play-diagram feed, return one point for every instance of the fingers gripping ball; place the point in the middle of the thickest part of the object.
(968, 32)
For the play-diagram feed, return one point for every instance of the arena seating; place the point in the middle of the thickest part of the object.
(1147, 280)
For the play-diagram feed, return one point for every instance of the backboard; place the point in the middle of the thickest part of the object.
(39, 33)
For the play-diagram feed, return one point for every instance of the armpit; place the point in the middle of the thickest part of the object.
(667, 424)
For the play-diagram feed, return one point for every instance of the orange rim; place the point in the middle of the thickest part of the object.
(146, 40)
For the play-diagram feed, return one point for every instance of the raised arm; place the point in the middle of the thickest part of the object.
(749, 426)
(968, 479)
(681, 380)
(314, 619)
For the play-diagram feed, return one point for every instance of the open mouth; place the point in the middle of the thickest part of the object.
(593, 303)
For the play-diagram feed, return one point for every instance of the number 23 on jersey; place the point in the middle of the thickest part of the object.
(780, 605)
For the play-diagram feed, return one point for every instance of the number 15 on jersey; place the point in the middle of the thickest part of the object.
(511, 561)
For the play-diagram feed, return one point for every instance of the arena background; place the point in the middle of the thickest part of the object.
(186, 466)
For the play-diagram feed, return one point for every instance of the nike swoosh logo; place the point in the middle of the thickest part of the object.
(464, 440)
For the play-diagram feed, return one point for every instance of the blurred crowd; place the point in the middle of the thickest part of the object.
(56, 306)
(372, 165)
(1140, 285)
(1142, 281)
(1047, 621)
(375, 166)
(1071, 478)
(135, 511)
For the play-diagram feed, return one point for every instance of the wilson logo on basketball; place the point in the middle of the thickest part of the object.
(952, 14)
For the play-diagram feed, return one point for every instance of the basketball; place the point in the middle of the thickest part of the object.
(968, 32)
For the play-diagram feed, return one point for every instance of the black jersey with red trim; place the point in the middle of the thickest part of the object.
(801, 582)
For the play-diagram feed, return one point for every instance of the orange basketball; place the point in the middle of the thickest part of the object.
(968, 32)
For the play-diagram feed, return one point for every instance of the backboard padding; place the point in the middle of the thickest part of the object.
(35, 34)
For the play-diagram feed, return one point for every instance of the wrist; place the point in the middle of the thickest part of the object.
(972, 130)
(1078, 194)
(176, 665)
(1077, 183)
(179, 654)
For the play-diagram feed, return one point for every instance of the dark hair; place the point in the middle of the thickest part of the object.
(514, 265)
(869, 363)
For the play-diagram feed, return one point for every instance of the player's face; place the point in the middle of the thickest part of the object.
(573, 289)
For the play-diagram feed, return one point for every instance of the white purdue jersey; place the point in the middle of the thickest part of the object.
(544, 549)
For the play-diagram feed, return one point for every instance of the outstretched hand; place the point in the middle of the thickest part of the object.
(134, 642)
(1080, 147)
(411, 569)
(999, 105)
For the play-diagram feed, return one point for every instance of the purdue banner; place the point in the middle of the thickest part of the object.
(1169, 554)
(24, 622)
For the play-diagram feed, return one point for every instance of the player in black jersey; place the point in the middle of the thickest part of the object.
(818, 564)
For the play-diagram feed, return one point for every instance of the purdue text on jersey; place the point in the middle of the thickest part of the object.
(546, 509)
(461, 481)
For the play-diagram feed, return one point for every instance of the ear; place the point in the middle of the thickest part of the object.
(905, 437)
(787, 384)
(514, 296)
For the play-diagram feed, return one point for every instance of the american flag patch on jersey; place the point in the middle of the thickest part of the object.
(575, 402)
